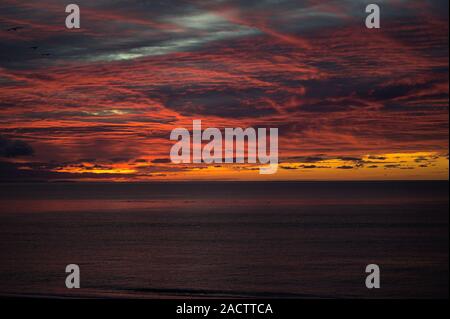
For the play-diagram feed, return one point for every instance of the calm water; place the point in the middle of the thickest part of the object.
(225, 239)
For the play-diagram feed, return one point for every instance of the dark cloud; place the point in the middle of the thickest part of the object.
(392, 166)
(313, 166)
(379, 158)
(288, 167)
(161, 161)
(230, 102)
(12, 172)
(14, 148)
(350, 158)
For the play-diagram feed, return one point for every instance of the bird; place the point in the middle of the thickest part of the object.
(14, 28)
(34, 47)
(46, 54)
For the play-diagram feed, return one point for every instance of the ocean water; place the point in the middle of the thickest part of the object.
(274, 239)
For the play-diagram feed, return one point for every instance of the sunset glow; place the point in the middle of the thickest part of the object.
(99, 103)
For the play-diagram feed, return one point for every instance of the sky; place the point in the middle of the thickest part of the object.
(98, 103)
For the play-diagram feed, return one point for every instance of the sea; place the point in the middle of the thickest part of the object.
(225, 239)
